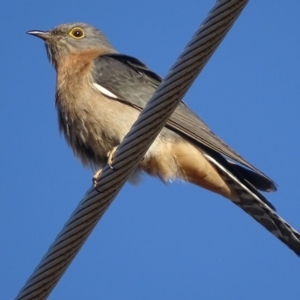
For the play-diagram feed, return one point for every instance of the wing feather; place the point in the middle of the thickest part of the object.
(133, 83)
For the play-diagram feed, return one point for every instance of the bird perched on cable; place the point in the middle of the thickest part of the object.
(99, 95)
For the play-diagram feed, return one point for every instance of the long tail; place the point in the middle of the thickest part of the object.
(255, 204)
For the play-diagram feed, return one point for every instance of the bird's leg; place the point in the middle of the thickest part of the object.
(110, 156)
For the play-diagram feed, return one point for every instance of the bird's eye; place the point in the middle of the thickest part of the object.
(76, 33)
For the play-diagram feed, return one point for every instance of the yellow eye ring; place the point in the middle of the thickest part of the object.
(77, 33)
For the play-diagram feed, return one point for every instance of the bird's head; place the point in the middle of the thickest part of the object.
(70, 38)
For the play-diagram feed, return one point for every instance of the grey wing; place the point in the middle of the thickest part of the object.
(126, 77)
(134, 84)
(183, 120)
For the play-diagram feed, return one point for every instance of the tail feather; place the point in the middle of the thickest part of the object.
(255, 204)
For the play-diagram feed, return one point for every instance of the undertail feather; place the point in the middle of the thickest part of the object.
(256, 205)
(257, 180)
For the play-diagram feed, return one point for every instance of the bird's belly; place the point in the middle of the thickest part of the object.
(93, 128)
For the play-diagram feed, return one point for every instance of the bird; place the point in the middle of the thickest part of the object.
(100, 94)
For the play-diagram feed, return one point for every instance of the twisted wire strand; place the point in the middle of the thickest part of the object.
(132, 149)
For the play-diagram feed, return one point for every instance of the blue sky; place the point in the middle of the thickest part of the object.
(155, 241)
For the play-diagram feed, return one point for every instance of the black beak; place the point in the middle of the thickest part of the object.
(44, 35)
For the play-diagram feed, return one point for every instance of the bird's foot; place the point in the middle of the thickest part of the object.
(96, 177)
(110, 156)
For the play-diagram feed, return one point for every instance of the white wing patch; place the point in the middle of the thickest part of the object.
(104, 91)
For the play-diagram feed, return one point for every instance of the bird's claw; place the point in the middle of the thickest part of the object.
(96, 177)
(110, 156)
